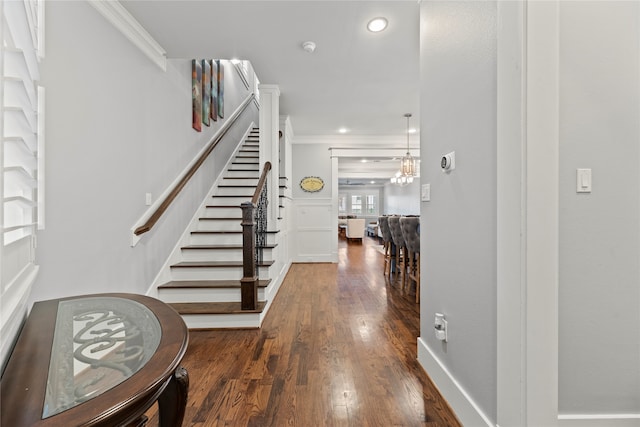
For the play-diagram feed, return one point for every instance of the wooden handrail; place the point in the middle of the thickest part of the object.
(155, 216)
(261, 181)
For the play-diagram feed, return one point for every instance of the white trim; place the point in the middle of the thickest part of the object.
(467, 411)
(241, 73)
(363, 141)
(371, 152)
(511, 214)
(124, 22)
(542, 210)
(40, 211)
(598, 420)
(335, 208)
(273, 289)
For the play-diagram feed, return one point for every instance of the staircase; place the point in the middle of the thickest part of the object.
(205, 282)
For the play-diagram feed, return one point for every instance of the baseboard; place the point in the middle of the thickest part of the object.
(460, 402)
(599, 420)
(274, 288)
(315, 258)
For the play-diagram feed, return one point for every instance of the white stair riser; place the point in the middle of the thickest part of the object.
(220, 254)
(240, 181)
(233, 212)
(246, 193)
(247, 157)
(228, 201)
(240, 174)
(204, 295)
(219, 273)
(216, 239)
(217, 225)
(219, 321)
(223, 239)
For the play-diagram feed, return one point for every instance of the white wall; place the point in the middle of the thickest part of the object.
(364, 190)
(458, 113)
(599, 291)
(402, 200)
(117, 127)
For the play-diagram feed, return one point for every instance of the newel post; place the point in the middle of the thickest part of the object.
(249, 281)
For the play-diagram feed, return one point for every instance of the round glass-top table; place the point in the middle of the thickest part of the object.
(96, 360)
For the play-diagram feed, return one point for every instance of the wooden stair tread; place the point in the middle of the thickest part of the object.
(206, 218)
(208, 284)
(216, 232)
(214, 307)
(223, 247)
(216, 264)
(228, 231)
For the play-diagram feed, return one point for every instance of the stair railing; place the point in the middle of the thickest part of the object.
(155, 216)
(254, 239)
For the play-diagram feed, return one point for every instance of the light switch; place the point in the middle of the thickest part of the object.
(426, 192)
(583, 181)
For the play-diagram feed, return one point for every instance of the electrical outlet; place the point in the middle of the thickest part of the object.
(440, 327)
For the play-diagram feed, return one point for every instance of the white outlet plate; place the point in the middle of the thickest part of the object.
(426, 192)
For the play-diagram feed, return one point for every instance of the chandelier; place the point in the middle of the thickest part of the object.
(407, 164)
(400, 179)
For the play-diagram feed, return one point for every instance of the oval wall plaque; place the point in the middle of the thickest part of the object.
(312, 184)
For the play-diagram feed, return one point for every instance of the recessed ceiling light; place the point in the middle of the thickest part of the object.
(343, 130)
(413, 130)
(235, 61)
(377, 24)
(373, 182)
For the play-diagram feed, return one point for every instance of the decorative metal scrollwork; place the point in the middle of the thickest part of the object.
(260, 219)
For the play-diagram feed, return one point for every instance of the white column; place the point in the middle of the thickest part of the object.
(269, 127)
(542, 166)
(511, 233)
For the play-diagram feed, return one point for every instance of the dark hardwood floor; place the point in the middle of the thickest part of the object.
(337, 348)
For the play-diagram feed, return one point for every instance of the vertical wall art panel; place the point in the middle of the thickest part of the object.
(206, 91)
(220, 89)
(196, 94)
(214, 90)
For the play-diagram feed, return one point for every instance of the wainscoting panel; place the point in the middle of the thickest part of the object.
(314, 229)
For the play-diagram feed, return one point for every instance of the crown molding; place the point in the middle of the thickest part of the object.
(115, 13)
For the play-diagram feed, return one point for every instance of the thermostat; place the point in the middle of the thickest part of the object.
(448, 162)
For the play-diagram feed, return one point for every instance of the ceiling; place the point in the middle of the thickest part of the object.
(356, 79)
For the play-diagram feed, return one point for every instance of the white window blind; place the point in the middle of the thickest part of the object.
(21, 130)
(20, 118)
